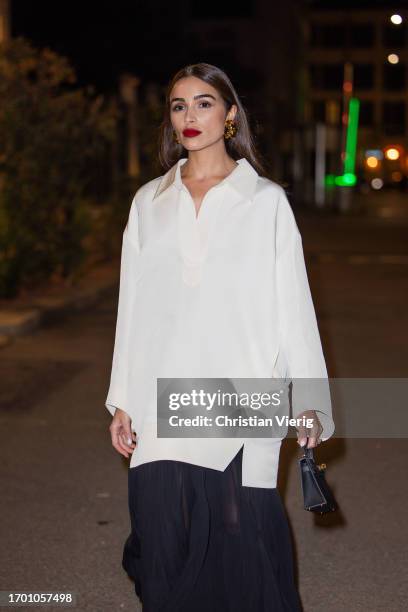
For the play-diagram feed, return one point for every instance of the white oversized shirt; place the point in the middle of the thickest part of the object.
(224, 294)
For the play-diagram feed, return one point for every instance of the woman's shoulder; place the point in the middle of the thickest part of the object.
(272, 195)
(147, 190)
(268, 187)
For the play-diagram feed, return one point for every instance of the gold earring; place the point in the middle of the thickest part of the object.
(175, 138)
(230, 129)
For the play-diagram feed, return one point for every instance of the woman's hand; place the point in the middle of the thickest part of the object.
(121, 433)
(314, 432)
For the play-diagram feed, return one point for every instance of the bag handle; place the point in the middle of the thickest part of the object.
(307, 452)
(308, 455)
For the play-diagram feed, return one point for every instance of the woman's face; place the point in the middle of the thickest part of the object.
(195, 107)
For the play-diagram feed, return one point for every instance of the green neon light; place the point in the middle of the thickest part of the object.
(343, 180)
(351, 138)
(348, 178)
(329, 180)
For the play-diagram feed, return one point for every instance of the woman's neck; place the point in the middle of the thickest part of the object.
(202, 166)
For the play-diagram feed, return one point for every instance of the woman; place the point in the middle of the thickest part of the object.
(213, 285)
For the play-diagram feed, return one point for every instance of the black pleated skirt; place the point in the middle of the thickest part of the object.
(201, 542)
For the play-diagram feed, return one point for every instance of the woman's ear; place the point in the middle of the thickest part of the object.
(232, 112)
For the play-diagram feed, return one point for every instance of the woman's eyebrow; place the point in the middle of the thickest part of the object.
(195, 98)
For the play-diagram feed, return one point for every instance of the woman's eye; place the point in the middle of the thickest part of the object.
(206, 104)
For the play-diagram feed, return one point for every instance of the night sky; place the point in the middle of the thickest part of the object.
(98, 38)
(104, 38)
(145, 37)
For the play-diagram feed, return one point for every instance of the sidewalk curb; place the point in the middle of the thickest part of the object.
(18, 320)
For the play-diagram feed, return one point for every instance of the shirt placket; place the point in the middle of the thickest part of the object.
(195, 232)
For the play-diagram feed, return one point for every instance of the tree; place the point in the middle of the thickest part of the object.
(54, 146)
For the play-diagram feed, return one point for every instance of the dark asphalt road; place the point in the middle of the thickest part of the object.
(64, 499)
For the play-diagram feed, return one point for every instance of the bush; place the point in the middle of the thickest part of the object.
(54, 145)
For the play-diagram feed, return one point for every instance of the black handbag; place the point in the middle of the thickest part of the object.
(317, 496)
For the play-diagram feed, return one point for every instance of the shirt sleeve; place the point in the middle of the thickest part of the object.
(117, 393)
(299, 337)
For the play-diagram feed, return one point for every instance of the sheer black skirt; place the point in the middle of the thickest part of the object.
(200, 541)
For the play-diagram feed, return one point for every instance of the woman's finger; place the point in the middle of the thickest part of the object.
(313, 435)
(127, 435)
(310, 436)
(117, 446)
(312, 442)
(123, 444)
(127, 442)
(302, 435)
(116, 429)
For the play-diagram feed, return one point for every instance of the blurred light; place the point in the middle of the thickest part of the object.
(332, 111)
(329, 180)
(346, 180)
(392, 153)
(396, 176)
(393, 58)
(377, 183)
(372, 162)
(385, 212)
(349, 178)
(396, 19)
(348, 86)
(374, 153)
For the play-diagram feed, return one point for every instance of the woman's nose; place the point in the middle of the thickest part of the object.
(190, 115)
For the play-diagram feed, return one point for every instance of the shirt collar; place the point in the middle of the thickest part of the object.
(243, 178)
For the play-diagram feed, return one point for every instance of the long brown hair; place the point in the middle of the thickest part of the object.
(241, 145)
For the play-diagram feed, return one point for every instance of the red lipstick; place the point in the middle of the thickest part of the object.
(190, 132)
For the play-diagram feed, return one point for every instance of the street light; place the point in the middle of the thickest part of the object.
(392, 153)
(396, 19)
